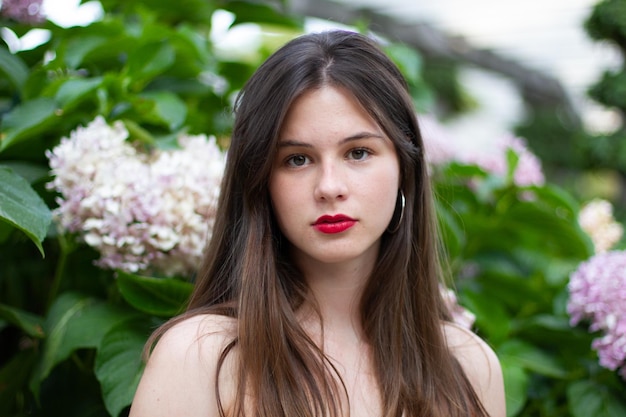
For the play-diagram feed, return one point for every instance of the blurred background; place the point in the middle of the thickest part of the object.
(115, 116)
(522, 66)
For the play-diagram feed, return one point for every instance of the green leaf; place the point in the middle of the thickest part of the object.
(78, 48)
(150, 60)
(28, 322)
(407, 59)
(557, 271)
(74, 322)
(532, 358)
(516, 383)
(588, 398)
(138, 133)
(549, 330)
(559, 199)
(543, 229)
(490, 316)
(21, 207)
(5, 231)
(192, 46)
(566, 209)
(119, 363)
(451, 231)
(457, 171)
(257, 12)
(13, 68)
(512, 159)
(501, 281)
(169, 108)
(28, 119)
(163, 297)
(74, 90)
(13, 379)
(30, 171)
(185, 10)
(488, 188)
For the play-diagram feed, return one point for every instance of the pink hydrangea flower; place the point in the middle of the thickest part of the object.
(139, 211)
(443, 147)
(597, 294)
(439, 143)
(24, 11)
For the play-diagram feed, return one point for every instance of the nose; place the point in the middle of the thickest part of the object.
(331, 183)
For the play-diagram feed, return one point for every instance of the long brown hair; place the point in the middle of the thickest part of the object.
(247, 273)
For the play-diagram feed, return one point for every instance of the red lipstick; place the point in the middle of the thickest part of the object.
(334, 224)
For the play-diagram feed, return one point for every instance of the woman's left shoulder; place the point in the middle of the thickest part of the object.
(481, 365)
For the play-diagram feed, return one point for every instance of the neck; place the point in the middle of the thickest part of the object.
(337, 290)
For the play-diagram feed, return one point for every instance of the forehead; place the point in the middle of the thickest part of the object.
(327, 111)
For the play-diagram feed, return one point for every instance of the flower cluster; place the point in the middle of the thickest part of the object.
(460, 315)
(597, 294)
(138, 210)
(24, 11)
(596, 219)
(442, 147)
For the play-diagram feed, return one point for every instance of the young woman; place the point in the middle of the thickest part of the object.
(319, 294)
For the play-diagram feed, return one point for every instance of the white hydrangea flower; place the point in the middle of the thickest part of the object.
(140, 211)
(596, 219)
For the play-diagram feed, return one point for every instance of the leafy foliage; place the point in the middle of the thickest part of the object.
(518, 247)
(568, 150)
(607, 23)
(23, 208)
(155, 68)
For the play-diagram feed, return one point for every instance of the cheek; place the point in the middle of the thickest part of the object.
(387, 180)
(385, 190)
(385, 199)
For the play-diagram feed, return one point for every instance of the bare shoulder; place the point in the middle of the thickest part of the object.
(180, 376)
(481, 365)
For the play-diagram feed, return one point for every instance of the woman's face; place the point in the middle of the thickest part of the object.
(335, 180)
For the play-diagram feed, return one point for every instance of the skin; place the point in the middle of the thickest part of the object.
(332, 159)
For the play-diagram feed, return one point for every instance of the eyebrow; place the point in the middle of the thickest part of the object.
(357, 136)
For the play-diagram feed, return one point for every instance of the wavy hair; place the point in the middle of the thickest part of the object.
(247, 273)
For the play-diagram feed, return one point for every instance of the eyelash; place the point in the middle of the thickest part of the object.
(290, 159)
(367, 152)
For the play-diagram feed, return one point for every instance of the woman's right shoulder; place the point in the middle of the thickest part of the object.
(180, 375)
(195, 338)
(199, 329)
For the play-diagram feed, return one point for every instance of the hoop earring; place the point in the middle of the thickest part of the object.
(400, 201)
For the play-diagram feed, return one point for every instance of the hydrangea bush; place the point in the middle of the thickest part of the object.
(443, 147)
(598, 297)
(142, 211)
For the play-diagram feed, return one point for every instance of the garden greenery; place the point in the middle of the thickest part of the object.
(103, 213)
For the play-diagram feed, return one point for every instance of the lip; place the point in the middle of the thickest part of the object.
(331, 224)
